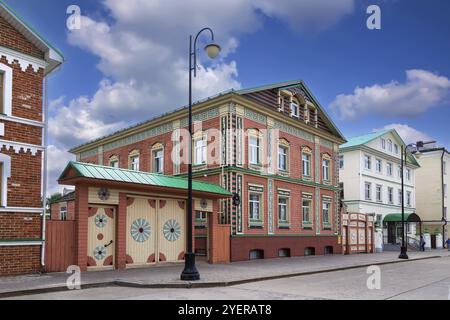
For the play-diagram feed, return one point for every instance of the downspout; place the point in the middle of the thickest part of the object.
(44, 174)
(443, 198)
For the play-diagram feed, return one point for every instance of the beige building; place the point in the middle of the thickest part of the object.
(432, 201)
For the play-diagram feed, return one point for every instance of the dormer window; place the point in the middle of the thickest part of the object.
(294, 110)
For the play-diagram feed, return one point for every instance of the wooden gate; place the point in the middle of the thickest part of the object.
(101, 237)
(141, 231)
(59, 245)
(357, 233)
(172, 230)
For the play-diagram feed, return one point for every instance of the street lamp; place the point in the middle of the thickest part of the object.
(403, 249)
(212, 50)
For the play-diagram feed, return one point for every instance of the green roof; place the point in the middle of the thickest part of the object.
(88, 170)
(360, 140)
(397, 217)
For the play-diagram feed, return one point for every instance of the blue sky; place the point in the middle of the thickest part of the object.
(128, 61)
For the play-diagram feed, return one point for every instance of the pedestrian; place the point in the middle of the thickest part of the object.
(447, 242)
(422, 243)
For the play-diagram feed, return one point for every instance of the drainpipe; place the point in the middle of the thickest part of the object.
(44, 174)
(443, 198)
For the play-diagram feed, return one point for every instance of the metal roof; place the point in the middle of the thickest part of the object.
(360, 140)
(93, 171)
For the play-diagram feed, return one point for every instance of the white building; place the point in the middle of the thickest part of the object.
(370, 177)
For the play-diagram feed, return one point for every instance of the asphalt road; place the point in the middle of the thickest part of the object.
(416, 280)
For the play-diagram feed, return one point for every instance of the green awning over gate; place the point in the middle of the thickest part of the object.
(88, 170)
(397, 217)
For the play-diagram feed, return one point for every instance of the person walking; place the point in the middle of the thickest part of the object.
(422, 243)
(447, 242)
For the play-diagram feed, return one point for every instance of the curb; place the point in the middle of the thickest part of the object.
(193, 285)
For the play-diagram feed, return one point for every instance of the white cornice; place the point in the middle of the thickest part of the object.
(20, 243)
(21, 209)
(22, 120)
(20, 146)
(23, 59)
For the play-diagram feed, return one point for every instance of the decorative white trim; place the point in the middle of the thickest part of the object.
(7, 95)
(23, 59)
(20, 243)
(20, 146)
(21, 210)
(22, 120)
(6, 173)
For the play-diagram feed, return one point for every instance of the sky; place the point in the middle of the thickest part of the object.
(128, 61)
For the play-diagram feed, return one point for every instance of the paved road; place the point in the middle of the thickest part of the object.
(421, 280)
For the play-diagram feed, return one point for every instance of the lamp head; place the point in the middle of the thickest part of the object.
(212, 50)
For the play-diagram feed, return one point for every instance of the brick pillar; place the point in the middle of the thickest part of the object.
(81, 223)
(121, 222)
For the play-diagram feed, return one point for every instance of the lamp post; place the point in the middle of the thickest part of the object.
(212, 49)
(404, 248)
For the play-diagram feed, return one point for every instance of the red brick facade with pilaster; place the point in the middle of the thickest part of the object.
(268, 235)
(20, 221)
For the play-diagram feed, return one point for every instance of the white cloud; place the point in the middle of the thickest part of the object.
(421, 91)
(142, 47)
(408, 134)
(57, 160)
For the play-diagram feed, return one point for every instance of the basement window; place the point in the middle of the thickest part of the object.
(256, 254)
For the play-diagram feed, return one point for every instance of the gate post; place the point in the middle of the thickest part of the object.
(81, 228)
(121, 218)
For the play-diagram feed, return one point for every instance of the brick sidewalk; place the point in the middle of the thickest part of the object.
(167, 276)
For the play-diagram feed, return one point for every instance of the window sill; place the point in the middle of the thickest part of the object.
(254, 226)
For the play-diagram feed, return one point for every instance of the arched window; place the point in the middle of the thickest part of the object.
(133, 160)
(283, 155)
(306, 162)
(114, 161)
(326, 168)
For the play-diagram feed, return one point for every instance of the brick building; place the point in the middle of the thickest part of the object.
(274, 146)
(25, 61)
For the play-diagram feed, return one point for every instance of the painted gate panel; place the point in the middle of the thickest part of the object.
(171, 225)
(101, 237)
(141, 231)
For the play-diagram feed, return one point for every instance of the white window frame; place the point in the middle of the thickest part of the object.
(379, 193)
(306, 163)
(63, 213)
(254, 150)
(7, 84)
(389, 166)
(408, 198)
(285, 155)
(379, 165)
(326, 207)
(5, 162)
(200, 150)
(286, 205)
(341, 161)
(134, 160)
(400, 196)
(368, 191)
(309, 201)
(408, 175)
(390, 195)
(155, 157)
(389, 144)
(259, 202)
(367, 162)
(295, 106)
(326, 169)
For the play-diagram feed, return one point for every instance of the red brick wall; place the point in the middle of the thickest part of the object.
(11, 38)
(16, 260)
(55, 210)
(241, 246)
(16, 226)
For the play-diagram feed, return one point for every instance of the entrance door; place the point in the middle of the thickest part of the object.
(171, 226)
(391, 233)
(101, 237)
(141, 231)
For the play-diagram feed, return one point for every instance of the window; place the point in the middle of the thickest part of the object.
(158, 160)
(396, 148)
(2, 89)
(200, 216)
(255, 206)
(283, 208)
(367, 190)
(379, 193)
(378, 165)
(114, 161)
(254, 149)
(400, 196)
(283, 155)
(341, 161)
(5, 173)
(306, 162)
(399, 172)
(367, 162)
(389, 169)
(389, 143)
(294, 109)
(306, 210)
(200, 147)
(326, 205)
(383, 143)
(134, 160)
(408, 174)
(390, 195)
(326, 168)
(5, 89)
(408, 198)
(341, 189)
(63, 213)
